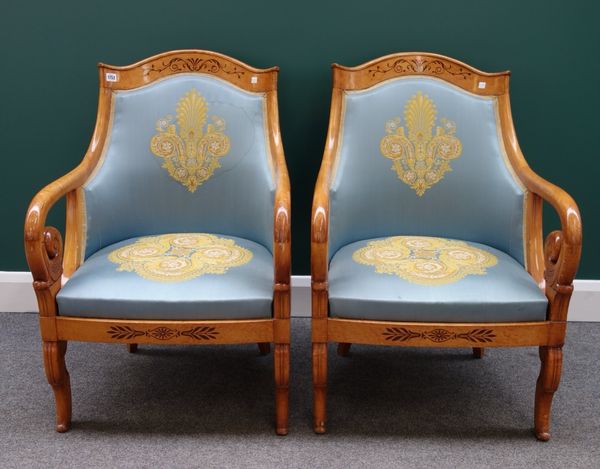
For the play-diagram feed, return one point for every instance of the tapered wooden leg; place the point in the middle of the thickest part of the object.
(264, 348)
(547, 384)
(282, 378)
(319, 359)
(343, 349)
(478, 352)
(58, 377)
(132, 348)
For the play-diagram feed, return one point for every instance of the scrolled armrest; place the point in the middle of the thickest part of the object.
(319, 235)
(45, 258)
(561, 261)
(282, 238)
(320, 219)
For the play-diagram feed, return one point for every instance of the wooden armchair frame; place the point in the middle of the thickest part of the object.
(552, 265)
(51, 266)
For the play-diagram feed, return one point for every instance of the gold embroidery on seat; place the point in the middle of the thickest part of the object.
(420, 159)
(178, 257)
(190, 156)
(425, 260)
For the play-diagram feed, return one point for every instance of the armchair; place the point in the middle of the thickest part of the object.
(177, 219)
(427, 222)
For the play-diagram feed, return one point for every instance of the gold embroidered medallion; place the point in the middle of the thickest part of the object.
(178, 257)
(425, 260)
(191, 153)
(420, 158)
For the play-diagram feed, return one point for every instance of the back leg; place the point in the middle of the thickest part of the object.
(343, 349)
(281, 358)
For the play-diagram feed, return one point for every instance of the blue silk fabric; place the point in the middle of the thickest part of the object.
(478, 200)
(506, 293)
(98, 290)
(131, 194)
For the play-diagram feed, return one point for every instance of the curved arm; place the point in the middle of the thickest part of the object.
(562, 249)
(282, 249)
(43, 245)
(319, 229)
(319, 232)
(559, 257)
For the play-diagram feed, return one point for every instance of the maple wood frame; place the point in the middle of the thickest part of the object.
(51, 267)
(552, 265)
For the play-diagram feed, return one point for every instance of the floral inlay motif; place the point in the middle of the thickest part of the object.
(401, 334)
(425, 260)
(195, 64)
(162, 333)
(191, 153)
(420, 157)
(421, 65)
(178, 257)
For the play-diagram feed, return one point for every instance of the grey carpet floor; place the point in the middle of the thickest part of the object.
(213, 406)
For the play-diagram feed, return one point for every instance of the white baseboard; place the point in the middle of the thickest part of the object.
(585, 302)
(16, 295)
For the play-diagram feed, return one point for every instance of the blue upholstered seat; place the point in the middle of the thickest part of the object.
(434, 280)
(187, 276)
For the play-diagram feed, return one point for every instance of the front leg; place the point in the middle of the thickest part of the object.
(58, 377)
(547, 384)
(282, 379)
(319, 372)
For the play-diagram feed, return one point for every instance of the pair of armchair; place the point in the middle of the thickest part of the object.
(426, 222)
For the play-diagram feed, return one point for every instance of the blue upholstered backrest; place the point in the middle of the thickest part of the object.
(211, 136)
(396, 140)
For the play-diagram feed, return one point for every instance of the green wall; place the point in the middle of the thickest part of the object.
(49, 51)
